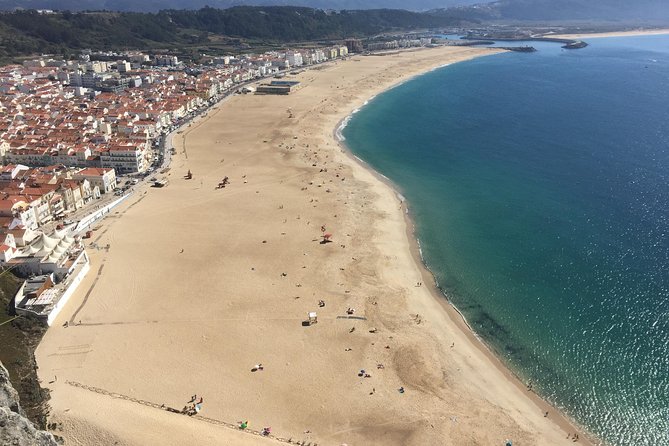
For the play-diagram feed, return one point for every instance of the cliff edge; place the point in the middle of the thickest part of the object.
(15, 428)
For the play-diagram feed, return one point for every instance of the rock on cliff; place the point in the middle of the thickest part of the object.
(15, 428)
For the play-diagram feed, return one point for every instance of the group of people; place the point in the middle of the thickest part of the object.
(265, 430)
(363, 374)
(193, 407)
(224, 182)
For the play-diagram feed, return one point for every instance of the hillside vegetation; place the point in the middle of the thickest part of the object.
(157, 5)
(28, 32)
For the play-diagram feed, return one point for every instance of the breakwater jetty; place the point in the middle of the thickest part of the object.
(520, 49)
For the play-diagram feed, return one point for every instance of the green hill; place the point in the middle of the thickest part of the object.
(28, 32)
(157, 5)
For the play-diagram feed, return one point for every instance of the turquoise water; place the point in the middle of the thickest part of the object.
(539, 184)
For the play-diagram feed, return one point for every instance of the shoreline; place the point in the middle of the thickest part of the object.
(439, 295)
(449, 391)
(598, 35)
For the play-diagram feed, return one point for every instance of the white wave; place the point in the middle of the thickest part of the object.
(339, 132)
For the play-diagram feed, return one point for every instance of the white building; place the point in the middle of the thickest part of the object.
(122, 66)
(294, 58)
(166, 60)
(125, 159)
(56, 266)
(104, 178)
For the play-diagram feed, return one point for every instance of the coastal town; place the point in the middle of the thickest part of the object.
(193, 268)
(342, 224)
(82, 142)
(77, 136)
(264, 259)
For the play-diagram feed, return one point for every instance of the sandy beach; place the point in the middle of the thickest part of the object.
(198, 285)
(630, 33)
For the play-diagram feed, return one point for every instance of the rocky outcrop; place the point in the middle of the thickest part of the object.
(9, 397)
(15, 428)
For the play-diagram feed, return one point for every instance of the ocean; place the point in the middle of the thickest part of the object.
(539, 187)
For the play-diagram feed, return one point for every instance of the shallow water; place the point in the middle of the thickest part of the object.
(539, 187)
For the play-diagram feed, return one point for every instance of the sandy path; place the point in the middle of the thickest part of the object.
(159, 324)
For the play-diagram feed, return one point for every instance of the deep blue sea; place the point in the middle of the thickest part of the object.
(539, 185)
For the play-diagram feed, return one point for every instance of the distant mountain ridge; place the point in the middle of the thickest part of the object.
(503, 10)
(565, 10)
(157, 5)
